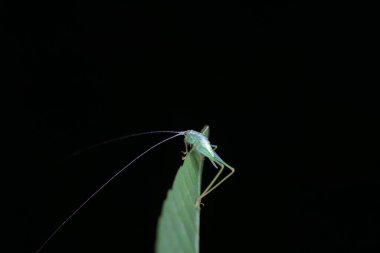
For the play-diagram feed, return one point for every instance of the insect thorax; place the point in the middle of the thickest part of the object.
(192, 137)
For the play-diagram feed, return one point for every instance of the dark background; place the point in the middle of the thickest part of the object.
(284, 86)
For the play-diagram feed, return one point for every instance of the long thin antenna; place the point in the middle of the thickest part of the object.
(117, 139)
(100, 188)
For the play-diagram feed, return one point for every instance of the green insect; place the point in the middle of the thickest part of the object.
(201, 144)
(198, 142)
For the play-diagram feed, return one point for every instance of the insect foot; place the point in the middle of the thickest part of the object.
(198, 203)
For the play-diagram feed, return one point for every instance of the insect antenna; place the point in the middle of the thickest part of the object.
(116, 140)
(104, 185)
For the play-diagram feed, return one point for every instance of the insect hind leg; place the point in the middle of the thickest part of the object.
(211, 186)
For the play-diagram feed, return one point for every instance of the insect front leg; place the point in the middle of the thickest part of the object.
(186, 151)
(189, 152)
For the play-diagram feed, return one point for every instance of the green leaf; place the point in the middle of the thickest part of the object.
(178, 225)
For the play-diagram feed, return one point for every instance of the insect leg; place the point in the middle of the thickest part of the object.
(210, 187)
(205, 129)
(186, 151)
(205, 192)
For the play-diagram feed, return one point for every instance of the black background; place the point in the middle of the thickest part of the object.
(284, 86)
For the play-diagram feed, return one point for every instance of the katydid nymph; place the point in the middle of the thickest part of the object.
(197, 141)
(200, 143)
